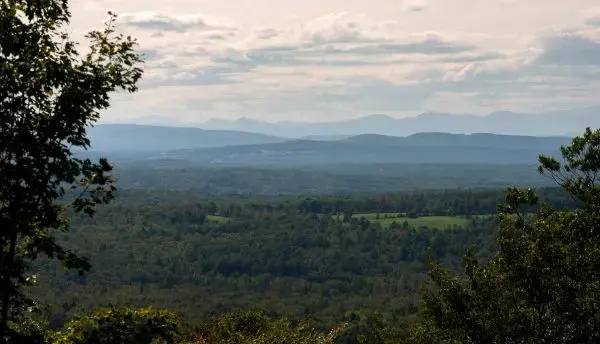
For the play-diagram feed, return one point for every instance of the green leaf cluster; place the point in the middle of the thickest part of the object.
(50, 95)
(543, 285)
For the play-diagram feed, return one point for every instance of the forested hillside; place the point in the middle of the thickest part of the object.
(340, 179)
(143, 138)
(426, 148)
(304, 258)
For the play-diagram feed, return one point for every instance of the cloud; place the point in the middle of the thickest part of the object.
(569, 49)
(266, 33)
(427, 46)
(336, 40)
(347, 64)
(414, 5)
(338, 28)
(150, 54)
(472, 57)
(154, 21)
(384, 52)
(207, 76)
(467, 72)
(345, 44)
(593, 21)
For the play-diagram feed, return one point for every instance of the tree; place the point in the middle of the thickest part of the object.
(31, 8)
(368, 328)
(121, 325)
(251, 327)
(543, 285)
(49, 96)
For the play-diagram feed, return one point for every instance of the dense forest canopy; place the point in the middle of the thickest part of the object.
(315, 258)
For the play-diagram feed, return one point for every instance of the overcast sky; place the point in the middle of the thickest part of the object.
(316, 60)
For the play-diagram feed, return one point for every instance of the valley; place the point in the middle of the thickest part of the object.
(318, 258)
(319, 228)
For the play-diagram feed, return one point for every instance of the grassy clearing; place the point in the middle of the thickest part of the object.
(217, 218)
(440, 222)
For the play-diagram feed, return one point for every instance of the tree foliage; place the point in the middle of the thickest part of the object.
(250, 327)
(543, 285)
(274, 258)
(50, 94)
(121, 325)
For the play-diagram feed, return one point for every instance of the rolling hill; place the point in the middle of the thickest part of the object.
(438, 148)
(148, 138)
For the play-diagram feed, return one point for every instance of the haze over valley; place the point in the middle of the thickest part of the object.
(555, 123)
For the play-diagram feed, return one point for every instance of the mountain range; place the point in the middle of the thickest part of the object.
(555, 123)
(420, 151)
(187, 147)
(437, 148)
(133, 137)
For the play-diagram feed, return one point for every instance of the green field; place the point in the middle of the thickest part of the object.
(439, 222)
(217, 218)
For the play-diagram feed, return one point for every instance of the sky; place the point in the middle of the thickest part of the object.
(327, 60)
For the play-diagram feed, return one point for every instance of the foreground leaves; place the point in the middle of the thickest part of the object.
(121, 325)
(543, 285)
(249, 327)
(49, 96)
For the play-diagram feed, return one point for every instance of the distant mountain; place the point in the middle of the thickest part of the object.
(564, 122)
(463, 140)
(131, 137)
(325, 137)
(438, 148)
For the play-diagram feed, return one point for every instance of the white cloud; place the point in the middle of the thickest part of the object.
(266, 59)
(337, 40)
(467, 72)
(338, 28)
(179, 22)
(570, 49)
(415, 5)
(593, 21)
